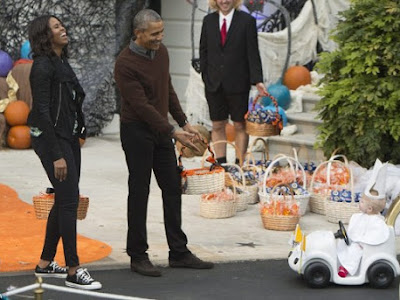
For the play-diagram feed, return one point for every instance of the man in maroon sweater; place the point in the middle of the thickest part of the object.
(142, 76)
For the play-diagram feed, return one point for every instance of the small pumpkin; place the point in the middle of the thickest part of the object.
(16, 113)
(19, 137)
(230, 132)
(296, 76)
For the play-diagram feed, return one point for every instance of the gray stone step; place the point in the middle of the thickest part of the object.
(306, 122)
(309, 101)
(304, 144)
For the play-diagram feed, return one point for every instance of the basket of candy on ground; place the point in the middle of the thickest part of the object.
(252, 176)
(281, 211)
(205, 179)
(292, 175)
(228, 167)
(261, 121)
(237, 180)
(331, 175)
(43, 203)
(218, 205)
(343, 201)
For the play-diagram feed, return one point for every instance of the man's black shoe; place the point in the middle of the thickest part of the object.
(189, 260)
(145, 267)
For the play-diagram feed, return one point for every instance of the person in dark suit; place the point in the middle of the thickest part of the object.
(230, 63)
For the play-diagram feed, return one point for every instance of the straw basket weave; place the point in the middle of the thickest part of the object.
(228, 178)
(264, 129)
(216, 208)
(280, 222)
(241, 198)
(43, 203)
(252, 189)
(318, 201)
(303, 200)
(202, 180)
(342, 211)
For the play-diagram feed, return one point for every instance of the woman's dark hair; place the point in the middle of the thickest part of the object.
(40, 36)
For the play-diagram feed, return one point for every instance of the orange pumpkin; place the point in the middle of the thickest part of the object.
(16, 113)
(296, 76)
(19, 137)
(230, 132)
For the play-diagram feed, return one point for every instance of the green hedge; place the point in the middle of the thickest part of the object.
(360, 105)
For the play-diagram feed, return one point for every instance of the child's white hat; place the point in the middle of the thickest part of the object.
(377, 181)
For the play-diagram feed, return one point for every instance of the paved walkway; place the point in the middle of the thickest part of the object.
(104, 180)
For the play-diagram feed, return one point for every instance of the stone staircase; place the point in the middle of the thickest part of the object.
(305, 136)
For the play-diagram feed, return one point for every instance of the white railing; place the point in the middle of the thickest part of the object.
(40, 286)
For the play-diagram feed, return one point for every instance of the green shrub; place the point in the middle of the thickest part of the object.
(360, 105)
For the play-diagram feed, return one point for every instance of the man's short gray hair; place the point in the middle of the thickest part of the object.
(143, 18)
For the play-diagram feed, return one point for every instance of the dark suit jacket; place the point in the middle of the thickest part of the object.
(237, 64)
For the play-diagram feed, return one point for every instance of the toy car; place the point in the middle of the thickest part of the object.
(315, 257)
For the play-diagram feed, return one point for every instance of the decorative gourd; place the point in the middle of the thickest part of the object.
(187, 152)
(280, 92)
(16, 113)
(19, 137)
(296, 76)
(230, 132)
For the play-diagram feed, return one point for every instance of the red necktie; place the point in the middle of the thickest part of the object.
(223, 33)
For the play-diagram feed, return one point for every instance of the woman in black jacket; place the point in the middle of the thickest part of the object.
(57, 123)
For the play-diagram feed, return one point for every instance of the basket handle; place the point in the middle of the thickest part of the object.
(278, 119)
(240, 171)
(211, 159)
(266, 149)
(238, 154)
(290, 160)
(329, 163)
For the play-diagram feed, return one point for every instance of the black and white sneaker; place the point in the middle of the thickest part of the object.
(82, 280)
(52, 270)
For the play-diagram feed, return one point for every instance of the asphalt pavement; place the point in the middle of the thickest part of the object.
(267, 279)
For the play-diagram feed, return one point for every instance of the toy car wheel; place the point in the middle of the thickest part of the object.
(380, 275)
(317, 275)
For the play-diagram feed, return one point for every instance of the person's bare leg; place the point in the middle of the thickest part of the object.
(241, 137)
(218, 134)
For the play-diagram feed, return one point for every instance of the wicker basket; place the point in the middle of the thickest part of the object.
(318, 201)
(252, 189)
(43, 203)
(342, 211)
(264, 129)
(238, 155)
(241, 198)
(202, 180)
(280, 222)
(303, 200)
(216, 208)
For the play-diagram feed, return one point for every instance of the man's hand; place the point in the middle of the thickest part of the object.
(261, 88)
(60, 169)
(197, 136)
(186, 138)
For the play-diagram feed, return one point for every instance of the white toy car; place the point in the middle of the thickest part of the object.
(314, 256)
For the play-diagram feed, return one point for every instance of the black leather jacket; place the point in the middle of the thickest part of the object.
(57, 103)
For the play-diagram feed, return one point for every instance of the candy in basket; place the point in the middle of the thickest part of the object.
(218, 205)
(202, 180)
(281, 210)
(262, 121)
(289, 176)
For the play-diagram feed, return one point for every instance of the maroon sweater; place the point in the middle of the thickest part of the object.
(146, 90)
